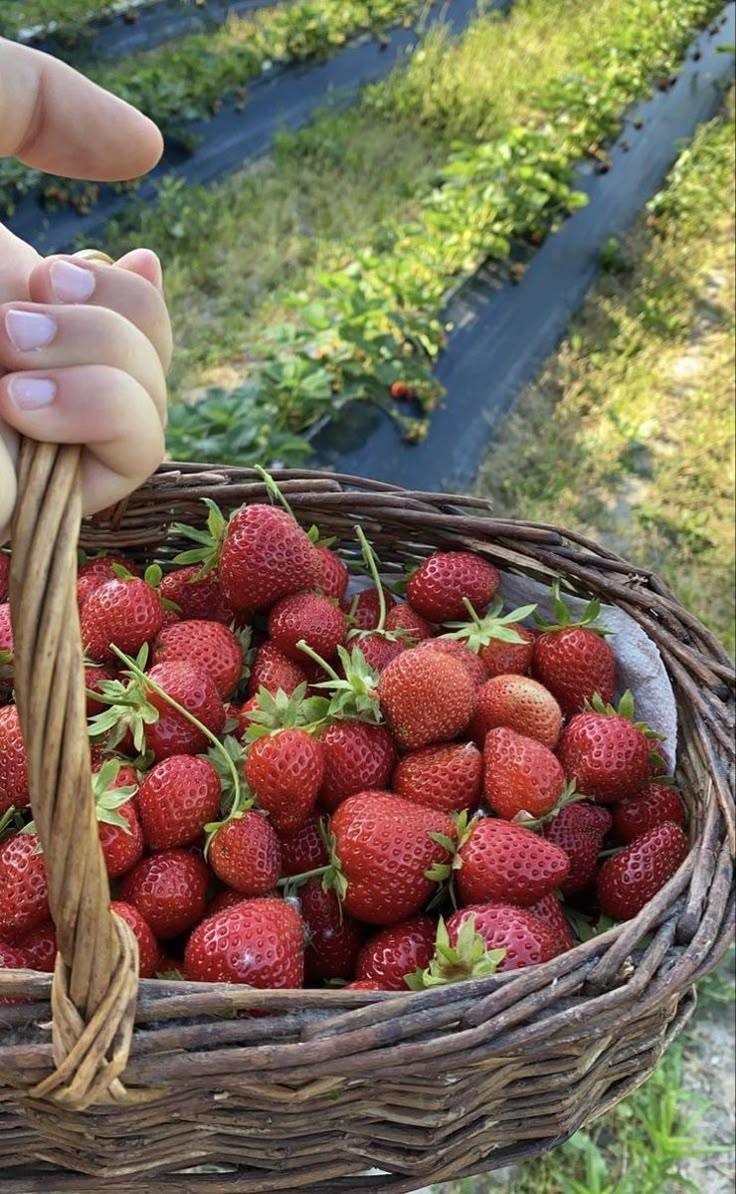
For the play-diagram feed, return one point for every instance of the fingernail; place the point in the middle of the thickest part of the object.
(29, 329)
(71, 283)
(31, 393)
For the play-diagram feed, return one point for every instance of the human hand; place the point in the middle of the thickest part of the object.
(96, 374)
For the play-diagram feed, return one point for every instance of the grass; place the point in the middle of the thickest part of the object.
(628, 433)
(68, 14)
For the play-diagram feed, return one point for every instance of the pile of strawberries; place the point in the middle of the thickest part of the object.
(296, 785)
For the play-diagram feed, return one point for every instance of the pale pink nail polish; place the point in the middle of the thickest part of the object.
(31, 393)
(29, 329)
(71, 283)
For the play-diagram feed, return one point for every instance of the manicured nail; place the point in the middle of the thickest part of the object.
(31, 393)
(29, 329)
(71, 283)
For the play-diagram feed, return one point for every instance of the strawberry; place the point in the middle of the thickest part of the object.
(209, 646)
(149, 954)
(379, 650)
(358, 757)
(573, 659)
(168, 889)
(95, 572)
(364, 610)
(303, 849)
(177, 798)
(402, 392)
(426, 697)
(265, 556)
(385, 846)
(501, 862)
(520, 704)
(13, 762)
(440, 585)
(24, 893)
(549, 909)
(118, 825)
(126, 612)
(629, 880)
(448, 778)
(409, 623)
(7, 650)
(333, 574)
(224, 900)
(506, 658)
(365, 984)
(12, 958)
(499, 640)
(520, 775)
(245, 853)
(196, 598)
(259, 942)
(94, 675)
(310, 617)
(334, 937)
(606, 754)
(655, 804)
(273, 670)
(472, 663)
(396, 952)
(40, 948)
(4, 575)
(579, 833)
(285, 772)
(525, 937)
(196, 692)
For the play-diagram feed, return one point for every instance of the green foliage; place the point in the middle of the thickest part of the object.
(67, 16)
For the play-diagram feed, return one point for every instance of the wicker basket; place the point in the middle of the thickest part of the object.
(127, 1092)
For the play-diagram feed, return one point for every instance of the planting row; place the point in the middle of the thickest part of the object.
(192, 78)
(371, 327)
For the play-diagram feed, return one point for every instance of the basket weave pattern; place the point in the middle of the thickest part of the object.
(331, 1084)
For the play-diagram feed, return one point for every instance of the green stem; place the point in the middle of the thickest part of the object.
(305, 647)
(370, 558)
(291, 880)
(474, 616)
(273, 489)
(132, 666)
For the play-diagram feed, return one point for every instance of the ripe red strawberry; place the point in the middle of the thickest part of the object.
(7, 649)
(93, 676)
(195, 690)
(118, 825)
(503, 658)
(201, 598)
(379, 650)
(385, 847)
(285, 772)
(245, 853)
(525, 937)
(334, 937)
(550, 911)
(579, 832)
(449, 778)
(266, 555)
(358, 757)
(177, 798)
(366, 984)
(629, 880)
(224, 900)
(207, 645)
(472, 663)
(4, 575)
(573, 659)
(127, 613)
(413, 625)
(95, 572)
(426, 697)
(149, 953)
(606, 755)
(333, 574)
(168, 889)
(259, 942)
(655, 804)
(520, 775)
(364, 609)
(303, 849)
(500, 641)
(311, 617)
(501, 862)
(438, 587)
(13, 762)
(396, 952)
(24, 893)
(40, 948)
(273, 670)
(13, 958)
(402, 392)
(520, 704)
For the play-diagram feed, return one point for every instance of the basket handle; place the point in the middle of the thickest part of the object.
(96, 978)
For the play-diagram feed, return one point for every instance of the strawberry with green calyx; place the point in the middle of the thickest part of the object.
(402, 619)
(579, 830)
(285, 762)
(572, 658)
(195, 596)
(397, 951)
(354, 693)
(606, 753)
(497, 861)
(271, 669)
(274, 712)
(245, 853)
(485, 635)
(364, 609)
(467, 957)
(333, 575)
(329, 872)
(524, 937)
(124, 612)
